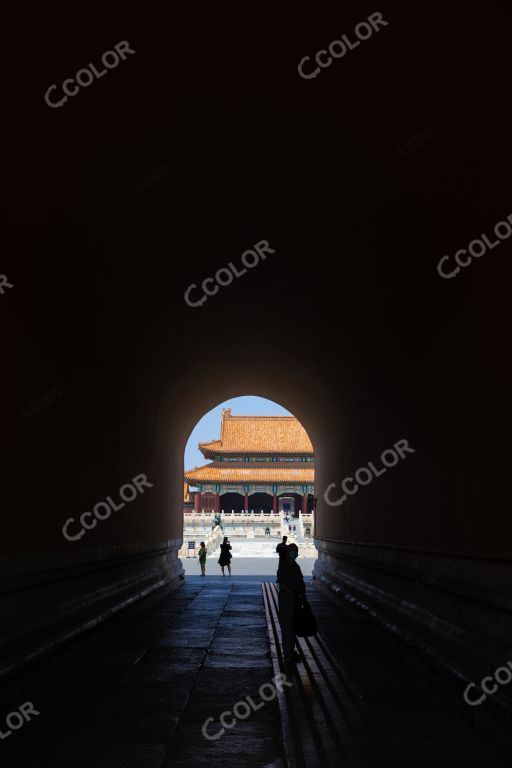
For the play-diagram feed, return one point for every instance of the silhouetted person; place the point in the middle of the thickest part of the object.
(294, 528)
(291, 586)
(225, 556)
(282, 548)
(282, 551)
(202, 557)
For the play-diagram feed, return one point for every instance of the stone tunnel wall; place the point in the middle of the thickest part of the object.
(363, 378)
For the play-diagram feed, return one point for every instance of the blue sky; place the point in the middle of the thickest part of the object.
(208, 427)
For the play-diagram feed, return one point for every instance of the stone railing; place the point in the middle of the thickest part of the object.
(209, 515)
(212, 539)
(307, 549)
(248, 524)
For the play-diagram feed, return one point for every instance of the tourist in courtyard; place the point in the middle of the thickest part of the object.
(225, 556)
(282, 548)
(267, 530)
(202, 558)
(282, 551)
(291, 587)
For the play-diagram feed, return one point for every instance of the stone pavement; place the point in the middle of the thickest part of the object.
(139, 694)
(407, 720)
(243, 566)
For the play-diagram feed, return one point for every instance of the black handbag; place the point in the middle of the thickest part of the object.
(304, 623)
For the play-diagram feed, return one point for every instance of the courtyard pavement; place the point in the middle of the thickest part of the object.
(243, 566)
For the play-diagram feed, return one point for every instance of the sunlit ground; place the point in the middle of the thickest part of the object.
(243, 566)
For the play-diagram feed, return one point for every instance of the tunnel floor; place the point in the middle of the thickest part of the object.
(138, 697)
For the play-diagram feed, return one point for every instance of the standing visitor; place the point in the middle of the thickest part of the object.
(282, 551)
(291, 587)
(225, 556)
(202, 558)
(282, 548)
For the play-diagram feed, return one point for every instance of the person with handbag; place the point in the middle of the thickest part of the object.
(225, 556)
(291, 589)
(282, 548)
(282, 551)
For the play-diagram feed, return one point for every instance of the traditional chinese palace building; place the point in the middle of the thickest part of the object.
(260, 462)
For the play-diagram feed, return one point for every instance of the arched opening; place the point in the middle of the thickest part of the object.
(247, 462)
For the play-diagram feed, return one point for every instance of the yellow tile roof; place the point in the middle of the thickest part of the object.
(256, 473)
(259, 434)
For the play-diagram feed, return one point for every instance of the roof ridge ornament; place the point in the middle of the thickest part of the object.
(226, 414)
